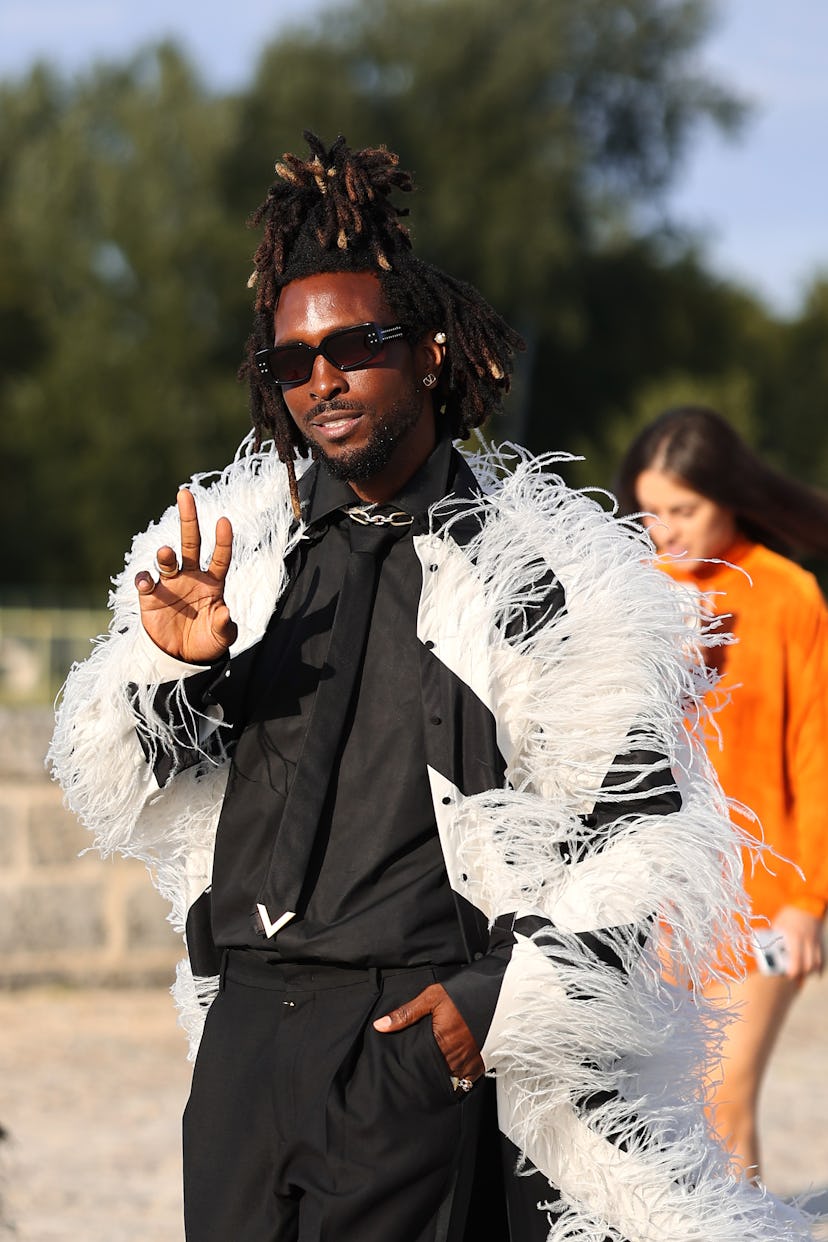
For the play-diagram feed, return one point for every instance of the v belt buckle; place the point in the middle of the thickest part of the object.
(365, 516)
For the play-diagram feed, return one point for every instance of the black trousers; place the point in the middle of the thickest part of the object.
(304, 1124)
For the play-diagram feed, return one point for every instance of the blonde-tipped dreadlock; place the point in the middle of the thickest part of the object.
(333, 213)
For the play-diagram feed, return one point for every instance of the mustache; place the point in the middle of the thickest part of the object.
(332, 407)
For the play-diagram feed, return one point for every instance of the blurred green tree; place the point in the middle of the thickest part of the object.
(539, 132)
(116, 378)
(767, 376)
(542, 135)
(793, 399)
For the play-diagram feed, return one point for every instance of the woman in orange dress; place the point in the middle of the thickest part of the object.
(722, 520)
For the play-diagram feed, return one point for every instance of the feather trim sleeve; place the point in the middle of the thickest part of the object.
(104, 767)
(93, 753)
(598, 1050)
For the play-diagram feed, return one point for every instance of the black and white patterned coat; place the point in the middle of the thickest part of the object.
(563, 669)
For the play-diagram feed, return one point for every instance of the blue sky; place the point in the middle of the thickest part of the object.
(760, 200)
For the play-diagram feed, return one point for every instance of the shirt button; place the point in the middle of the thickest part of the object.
(436, 720)
(478, 956)
(447, 801)
(429, 645)
(433, 568)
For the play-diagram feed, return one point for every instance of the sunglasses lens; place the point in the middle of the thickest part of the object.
(350, 349)
(291, 364)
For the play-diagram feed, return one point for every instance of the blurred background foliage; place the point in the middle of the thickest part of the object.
(542, 134)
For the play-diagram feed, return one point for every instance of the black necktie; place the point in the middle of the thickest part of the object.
(278, 901)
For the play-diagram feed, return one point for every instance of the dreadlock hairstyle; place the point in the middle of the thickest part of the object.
(333, 213)
(699, 446)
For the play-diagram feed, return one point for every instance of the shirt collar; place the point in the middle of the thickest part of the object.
(425, 487)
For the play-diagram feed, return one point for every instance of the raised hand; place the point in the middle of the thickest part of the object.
(184, 613)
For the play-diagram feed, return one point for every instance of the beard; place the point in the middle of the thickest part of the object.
(369, 459)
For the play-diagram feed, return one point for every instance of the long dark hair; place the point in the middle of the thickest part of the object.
(705, 452)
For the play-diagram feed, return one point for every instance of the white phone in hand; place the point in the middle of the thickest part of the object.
(770, 951)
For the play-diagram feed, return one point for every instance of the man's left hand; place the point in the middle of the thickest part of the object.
(454, 1038)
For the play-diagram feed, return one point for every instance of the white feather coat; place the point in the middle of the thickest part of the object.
(626, 650)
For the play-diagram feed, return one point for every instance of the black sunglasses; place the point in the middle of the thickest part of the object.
(348, 349)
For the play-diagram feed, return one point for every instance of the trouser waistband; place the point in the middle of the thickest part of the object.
(257, 968)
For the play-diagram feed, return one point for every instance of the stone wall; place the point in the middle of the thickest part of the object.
(67, 916)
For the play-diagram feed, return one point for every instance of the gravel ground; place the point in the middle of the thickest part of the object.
(93, 1084)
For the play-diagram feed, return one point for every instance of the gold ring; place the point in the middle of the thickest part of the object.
(168, 573)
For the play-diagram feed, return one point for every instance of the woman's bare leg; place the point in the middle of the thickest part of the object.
(760, 1004)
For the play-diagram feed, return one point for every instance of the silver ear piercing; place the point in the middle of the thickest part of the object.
(440, 337)
(429, 380)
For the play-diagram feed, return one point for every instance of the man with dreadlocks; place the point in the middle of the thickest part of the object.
(405, 748)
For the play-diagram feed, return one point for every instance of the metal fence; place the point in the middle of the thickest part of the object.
(39, 645)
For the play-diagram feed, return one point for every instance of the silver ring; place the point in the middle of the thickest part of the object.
(168, 573)
(462, 1084)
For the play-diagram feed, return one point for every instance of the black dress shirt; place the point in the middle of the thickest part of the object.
(377, 893)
